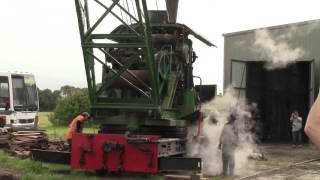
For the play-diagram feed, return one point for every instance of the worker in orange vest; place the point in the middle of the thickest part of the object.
(76, 126)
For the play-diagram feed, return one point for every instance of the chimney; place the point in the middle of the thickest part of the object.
(172, 8)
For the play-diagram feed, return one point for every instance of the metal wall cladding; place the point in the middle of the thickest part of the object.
(304, 36)
(280, 91)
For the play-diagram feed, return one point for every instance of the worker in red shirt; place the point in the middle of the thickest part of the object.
(76, 126)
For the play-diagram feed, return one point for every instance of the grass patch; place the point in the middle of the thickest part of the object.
(34, 170)
(59, 132)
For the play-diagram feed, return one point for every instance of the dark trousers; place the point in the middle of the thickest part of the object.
(296, 137)
(228, 163)
(70, 143)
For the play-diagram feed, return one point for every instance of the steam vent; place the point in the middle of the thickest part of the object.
(277, 68)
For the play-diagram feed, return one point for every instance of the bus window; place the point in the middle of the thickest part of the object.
(4, 93)
(24, 93)
(19, 101)
(31, 90)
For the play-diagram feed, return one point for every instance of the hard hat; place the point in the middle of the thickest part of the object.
(86, 114)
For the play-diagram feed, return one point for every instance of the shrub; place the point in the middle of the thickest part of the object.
(70, 106)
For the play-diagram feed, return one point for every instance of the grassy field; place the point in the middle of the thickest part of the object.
(32, 170)
(59, 132)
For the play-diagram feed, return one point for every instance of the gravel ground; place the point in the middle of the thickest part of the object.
(280, 163)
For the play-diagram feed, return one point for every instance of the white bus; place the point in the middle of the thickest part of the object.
(19, 102)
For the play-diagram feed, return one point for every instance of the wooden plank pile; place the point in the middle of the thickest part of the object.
(58, 145)
(4, 136)
(22, 141)
(19, 143)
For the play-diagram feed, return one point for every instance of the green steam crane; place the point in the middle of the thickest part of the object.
(147, 58)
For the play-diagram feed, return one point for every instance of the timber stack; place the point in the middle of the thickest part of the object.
(58, 145)
(4, 136)
(21, 142)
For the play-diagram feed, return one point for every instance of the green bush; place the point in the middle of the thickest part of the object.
(70, 106)
(48, 99)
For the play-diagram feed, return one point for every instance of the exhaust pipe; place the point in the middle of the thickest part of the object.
(172, 9)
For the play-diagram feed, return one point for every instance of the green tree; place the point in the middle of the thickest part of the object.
(69, 106)
(48, 99)
(67, 90)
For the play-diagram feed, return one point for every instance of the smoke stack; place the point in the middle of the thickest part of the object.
(172, 8)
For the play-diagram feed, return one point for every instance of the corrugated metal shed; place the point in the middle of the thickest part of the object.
(279, 91)
(305, 35)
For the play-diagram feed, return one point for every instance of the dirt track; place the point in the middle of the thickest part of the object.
(8, 174)
(282, 164)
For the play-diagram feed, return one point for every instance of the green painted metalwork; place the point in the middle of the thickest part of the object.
(171, 90)
(140, 40)
(188, 104)
(147, 75)
(163, 71)
(116, 76)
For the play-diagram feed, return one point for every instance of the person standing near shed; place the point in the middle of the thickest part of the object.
(296, 122)
(76, 126)
(228, 144)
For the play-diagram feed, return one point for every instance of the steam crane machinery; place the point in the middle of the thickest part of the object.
(146, 98)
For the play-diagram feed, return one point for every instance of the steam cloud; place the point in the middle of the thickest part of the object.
(207, 148)
(276, 50)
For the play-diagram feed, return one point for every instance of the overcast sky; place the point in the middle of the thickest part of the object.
(41, 36)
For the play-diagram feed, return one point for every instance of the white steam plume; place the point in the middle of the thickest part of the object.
(276, 50)
(207, 148)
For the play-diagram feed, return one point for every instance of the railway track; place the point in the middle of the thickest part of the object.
(307, 169)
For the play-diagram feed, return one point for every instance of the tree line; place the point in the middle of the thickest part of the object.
(65, 103)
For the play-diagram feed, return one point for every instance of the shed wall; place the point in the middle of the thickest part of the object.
(240, 46)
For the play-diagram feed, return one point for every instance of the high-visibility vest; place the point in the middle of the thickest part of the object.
(73, 125)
